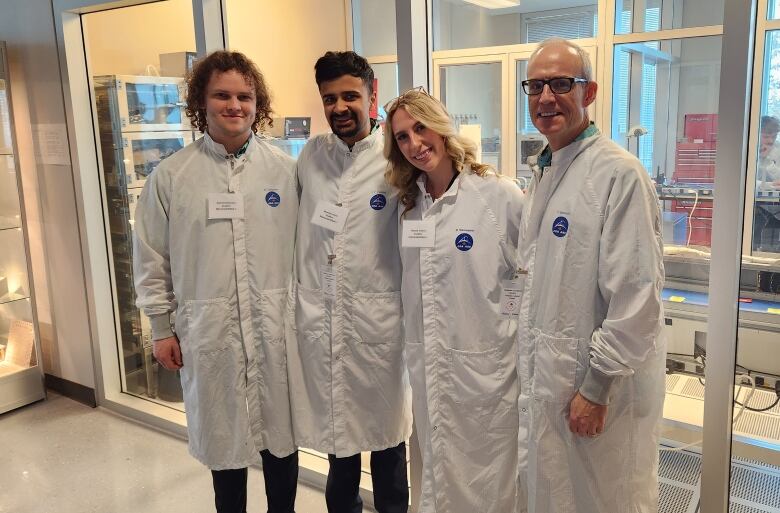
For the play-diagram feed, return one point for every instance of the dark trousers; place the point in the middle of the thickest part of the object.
(281, 480)
(388, 475)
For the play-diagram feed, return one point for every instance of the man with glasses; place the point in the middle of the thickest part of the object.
(348, 385)
(591, 355)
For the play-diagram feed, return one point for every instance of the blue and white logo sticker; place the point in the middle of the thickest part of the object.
(273, 199)
(464, 241)
(560, 226)
(378, 201)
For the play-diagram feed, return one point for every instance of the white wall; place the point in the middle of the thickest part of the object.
(467, 26)
(376, 30)
(124, 41)
(285, 39)
(28, 29)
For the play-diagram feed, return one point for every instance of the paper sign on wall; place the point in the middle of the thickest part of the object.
(21, 339)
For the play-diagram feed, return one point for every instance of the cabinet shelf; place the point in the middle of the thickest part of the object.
(14, 300)
(21, 376)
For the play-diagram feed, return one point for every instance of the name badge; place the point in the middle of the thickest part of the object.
(511, 295)
(328, 281)
(418, 234)
(226, 206)
(330, 216)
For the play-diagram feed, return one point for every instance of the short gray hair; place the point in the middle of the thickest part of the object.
(587, 68)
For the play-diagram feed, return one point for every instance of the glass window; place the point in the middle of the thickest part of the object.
(529, 140)
(766, 209)
(476, 23)
(373, 27)
(756, 431)
(664, 111)
(774, 9)
(477, 116)
(386, 76)
(138, 89)
(652, 15)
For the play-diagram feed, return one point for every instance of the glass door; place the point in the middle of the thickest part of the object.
(138, 90)
(475, 91)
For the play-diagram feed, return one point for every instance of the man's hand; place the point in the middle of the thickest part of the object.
(586, 418)
(168, 353)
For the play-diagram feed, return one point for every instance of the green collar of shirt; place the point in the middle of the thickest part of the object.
(243, 148)
(545, 158)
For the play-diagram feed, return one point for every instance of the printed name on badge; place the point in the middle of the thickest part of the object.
(226, 206)
(330, 216)
(418, 234)
(511, 294)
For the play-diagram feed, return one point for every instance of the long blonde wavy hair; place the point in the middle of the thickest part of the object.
(429, 111)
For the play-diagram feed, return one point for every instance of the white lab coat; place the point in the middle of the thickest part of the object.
(591, 242)
(768, 169)
(348, 384)
(460, 350)
(227, 282)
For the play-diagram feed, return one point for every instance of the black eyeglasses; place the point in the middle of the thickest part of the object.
(558, 85)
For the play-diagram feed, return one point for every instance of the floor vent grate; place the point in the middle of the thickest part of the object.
(680, 467)
(752, 485)
(671, 381)
(762, 399)
(757, 424)
(673, 499)
(693, 389)
(755, 487)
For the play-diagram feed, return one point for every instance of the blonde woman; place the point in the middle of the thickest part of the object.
(459, 223)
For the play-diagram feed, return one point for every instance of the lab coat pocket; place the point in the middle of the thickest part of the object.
(272, 311)
(203, 325)
(555, 367)
(484, 387)
(377, 317)
(309, 313)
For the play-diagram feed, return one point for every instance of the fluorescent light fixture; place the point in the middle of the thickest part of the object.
(494, 4)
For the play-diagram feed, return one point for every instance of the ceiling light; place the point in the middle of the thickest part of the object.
(494, 4)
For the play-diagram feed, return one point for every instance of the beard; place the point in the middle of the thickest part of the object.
(345, 132)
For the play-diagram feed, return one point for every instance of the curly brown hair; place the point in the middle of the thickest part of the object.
(222, 61)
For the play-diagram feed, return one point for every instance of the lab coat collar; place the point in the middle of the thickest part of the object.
(451, 192)
(361, 145)
(219, 150)
(562, 159)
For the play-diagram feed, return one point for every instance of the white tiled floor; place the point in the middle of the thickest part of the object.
(59, 456)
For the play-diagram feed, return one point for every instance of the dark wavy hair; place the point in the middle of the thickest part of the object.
(333, 65)
(222, 61)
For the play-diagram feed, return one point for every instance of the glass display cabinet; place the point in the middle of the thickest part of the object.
(21, 377)
(141, 122)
